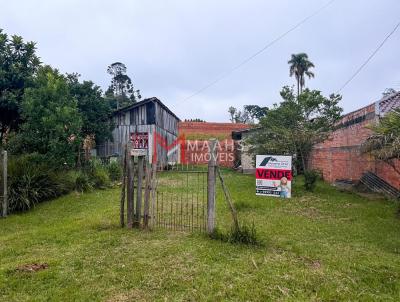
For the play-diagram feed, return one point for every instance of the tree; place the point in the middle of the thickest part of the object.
(121, 88)
(238, 116)
(384, 144)
(95, 111)
(296, 124)
(300, 67)
(197, 120)
(18, 64)
(248, 115)
(256, 112)
(52, 122)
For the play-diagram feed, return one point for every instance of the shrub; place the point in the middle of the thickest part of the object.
(114, 171)
(32, 181)
(310, 179)
(82, 183)
(100, 178)
(97, 173)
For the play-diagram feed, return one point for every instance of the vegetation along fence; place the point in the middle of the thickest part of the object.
(3, 184)
(174, 197)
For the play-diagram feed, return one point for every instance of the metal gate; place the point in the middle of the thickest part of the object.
(174, 197)
(181, 198)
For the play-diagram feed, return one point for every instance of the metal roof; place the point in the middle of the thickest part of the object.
(144, 102)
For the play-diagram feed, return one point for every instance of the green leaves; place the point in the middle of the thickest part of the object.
(384, 144)
(296, 124)
(18, 64)
(52, 122)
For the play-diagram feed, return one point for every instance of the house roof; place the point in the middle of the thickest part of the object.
(145, 101)
(388, 103)
(237, 135)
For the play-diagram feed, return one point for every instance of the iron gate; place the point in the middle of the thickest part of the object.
(181, 198)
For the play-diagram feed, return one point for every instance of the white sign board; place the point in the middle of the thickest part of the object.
(274, 175)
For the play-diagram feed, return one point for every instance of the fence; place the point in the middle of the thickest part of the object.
(178, 197)
(181, 198)
(3, 184)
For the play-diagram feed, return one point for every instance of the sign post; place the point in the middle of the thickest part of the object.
(274, 175)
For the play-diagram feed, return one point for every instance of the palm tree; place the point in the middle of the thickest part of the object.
(384, 144)
(299, 67)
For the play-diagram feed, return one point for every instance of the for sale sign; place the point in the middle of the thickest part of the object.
(274, 175)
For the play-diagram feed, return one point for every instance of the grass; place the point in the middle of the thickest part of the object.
(207, 136)
(326, 245)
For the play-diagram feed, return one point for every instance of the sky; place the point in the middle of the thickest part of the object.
(173, 48)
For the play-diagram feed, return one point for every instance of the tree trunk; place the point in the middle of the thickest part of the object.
(303, 162)
(301, 83)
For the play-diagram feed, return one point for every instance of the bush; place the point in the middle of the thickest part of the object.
(310, 179)
(97, 173)
(100, 178)
(82, 183)
(32, 181)
(114, 171)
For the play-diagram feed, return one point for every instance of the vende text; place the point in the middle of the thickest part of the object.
(273, 174)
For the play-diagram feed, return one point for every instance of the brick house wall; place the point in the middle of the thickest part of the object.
(340, 158)
(217, 129)
(196, 150)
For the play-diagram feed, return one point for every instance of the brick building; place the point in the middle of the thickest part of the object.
(203, 130)
(197, 135)
(340, 158)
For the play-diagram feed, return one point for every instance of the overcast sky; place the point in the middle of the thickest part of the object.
(174, 48)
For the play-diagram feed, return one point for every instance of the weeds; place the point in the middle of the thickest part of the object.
(245, 234)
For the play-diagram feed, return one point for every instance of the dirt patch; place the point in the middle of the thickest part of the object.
(32, 268)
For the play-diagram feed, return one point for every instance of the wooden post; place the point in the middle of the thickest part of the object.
(130, 190)
(211, 182)
(139, 191)
(123, 184)
(229, 200)
(146, 209)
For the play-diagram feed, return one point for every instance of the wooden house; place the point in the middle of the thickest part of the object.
(137, 124)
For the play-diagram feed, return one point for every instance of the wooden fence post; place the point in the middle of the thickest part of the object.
(123, 189)
(139, 191)
(211, 182)
(229, 201)
(130, 190)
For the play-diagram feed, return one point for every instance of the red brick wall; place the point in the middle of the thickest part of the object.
(197, 152)
(219, 129)
(339, 157)
(387, 173)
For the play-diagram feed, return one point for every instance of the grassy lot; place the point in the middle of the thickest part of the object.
(324, 246)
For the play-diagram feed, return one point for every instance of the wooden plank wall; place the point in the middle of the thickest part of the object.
(135, 120)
